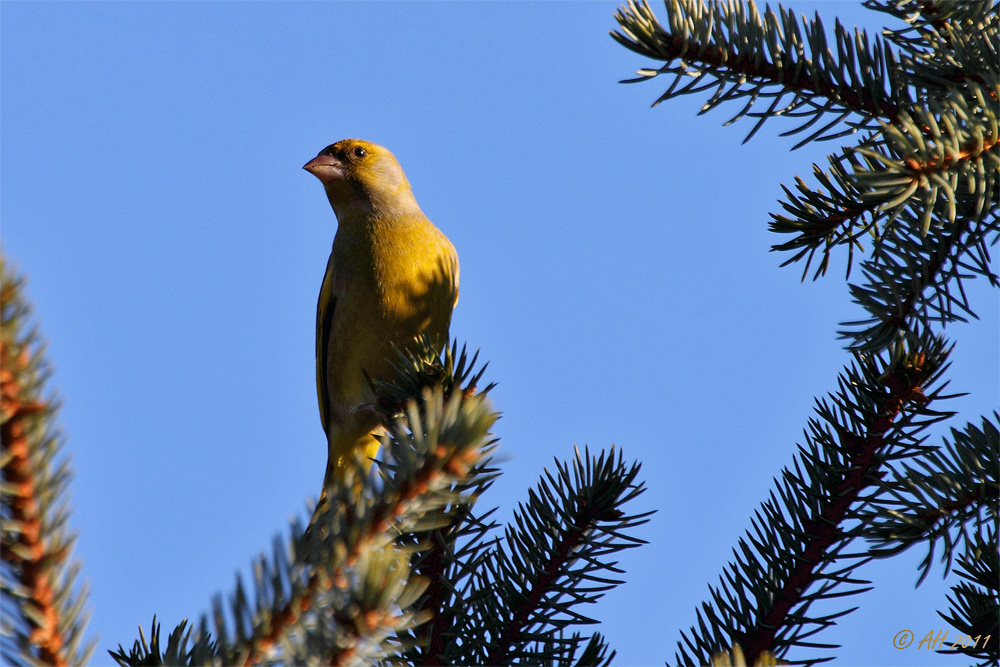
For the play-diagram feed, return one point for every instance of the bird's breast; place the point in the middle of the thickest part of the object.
(391, 287)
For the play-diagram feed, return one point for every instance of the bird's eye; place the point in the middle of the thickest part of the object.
(359, 151)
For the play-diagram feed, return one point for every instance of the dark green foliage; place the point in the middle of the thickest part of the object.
(948, 497)
(150, 653)
(765, 58)
(796, 553)
(917, 197)
(553, 559)
(426, 366)
(975, 612)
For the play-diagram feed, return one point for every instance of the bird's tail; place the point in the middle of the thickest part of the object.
(340, 460)
(341, 447)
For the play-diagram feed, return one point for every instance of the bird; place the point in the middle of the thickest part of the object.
(392, 276)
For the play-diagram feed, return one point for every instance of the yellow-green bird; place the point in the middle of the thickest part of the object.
(392, 275)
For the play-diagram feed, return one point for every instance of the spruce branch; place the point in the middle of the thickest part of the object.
(448, 560)
(595, 653)
(935, 165)
(932, 13)
(925, 189)
(45, 614)
(931, 155)
(433, 448)
(552, 560)
(451, 550)
(921, 188)
(457, 556)
(827, 216)
(176, 652)
(895, 193)
(975, 601)
(736, 658)
(940, 159)
(948, 496)
(903, 179)
(916, 282)
(947, 44)
(792, 557)
(746, 53)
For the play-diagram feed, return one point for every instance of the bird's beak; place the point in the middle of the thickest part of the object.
(326, 168)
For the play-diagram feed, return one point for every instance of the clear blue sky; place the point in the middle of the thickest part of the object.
(615, 273)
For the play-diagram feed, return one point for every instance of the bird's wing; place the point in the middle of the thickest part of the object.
(324, 324)
(452, 260)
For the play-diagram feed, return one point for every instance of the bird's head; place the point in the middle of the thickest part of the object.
(362, 178)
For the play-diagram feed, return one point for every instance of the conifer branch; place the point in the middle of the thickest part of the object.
(895, 186)
(448, 560)
(176, 652)
(448, 555)
(922, 184)
(426, 467)
(549, 564)
(790, 559)
(45, 618)
(947, 44)
(947, 495)
(27, 554)
(904, 385)
(934, 160)
(975, 601)
(932, 13)
(562, 552)
(765, 55)
(917, 282)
